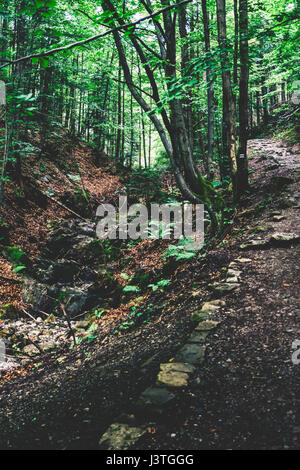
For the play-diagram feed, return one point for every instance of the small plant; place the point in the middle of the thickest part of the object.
(182, 250)
(136, 318)
(160, 284)
(131, 289)
(99, 312)
(17, 256)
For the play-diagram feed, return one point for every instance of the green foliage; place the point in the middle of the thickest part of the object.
(160, 285)
(181, 250)
(17, 256)
(131, 289)
(136, 318)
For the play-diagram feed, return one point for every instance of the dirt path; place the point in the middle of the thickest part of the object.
(246, 394)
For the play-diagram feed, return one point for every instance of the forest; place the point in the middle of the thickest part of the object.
(149, 342)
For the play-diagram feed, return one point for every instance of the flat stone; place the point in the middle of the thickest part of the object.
(232, 264)
(260, 228)
(218, 302)
(177, 367)
(254, 244)
(225, 287)
(281, 238)
(120, 436)
(191, 353)
(278, 218)
(233, 273)
(207, 309)
(199, 315)
(172, 378)
(276, 213)
(84, 324)
(198, 337)
(233, 280)
(243, 260)
(210, 307)
(233, 276)
(197, 293)
(207, 325)
(155, 396)
(31, 350)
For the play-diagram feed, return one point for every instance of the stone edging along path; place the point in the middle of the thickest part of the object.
(175, 374)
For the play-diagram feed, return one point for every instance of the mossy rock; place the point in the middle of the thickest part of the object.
(199, 316)
(8, 312)
(279, 183)
(107, 285)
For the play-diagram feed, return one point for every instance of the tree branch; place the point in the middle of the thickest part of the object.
(93, 38)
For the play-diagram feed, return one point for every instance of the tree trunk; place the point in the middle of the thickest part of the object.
(210, 93)
(242, 158)
(229, 119)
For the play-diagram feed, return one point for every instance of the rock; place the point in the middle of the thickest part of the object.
(84, 324)
(8, 312)
(36, 294)
(253, 244)
(243, 260)
(283, 239)
(212, 306)
(233, 275)
(207, 309)
(177, 367)
(246, 212)
(191, 353)
(75, 300)
(295, 148)
(197, 293)
(275, 213)
(278, 218)
(199, 315)
(48, 345)
(172, 379)
(260, 228)
(31, 350)
(279, 182)
(224, 288)
(154, 396)
(86, 249)
(53, 272)
(174, 374)
(207, 325)
(198, 337)
(120, 436)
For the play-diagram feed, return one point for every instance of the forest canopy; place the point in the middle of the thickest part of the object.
(178, 85)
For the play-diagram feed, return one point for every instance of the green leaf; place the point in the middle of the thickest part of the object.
(131, 289)
(17, 269)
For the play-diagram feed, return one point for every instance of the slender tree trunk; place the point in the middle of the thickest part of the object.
(242, 158)
(229, 119)
(210, 93)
